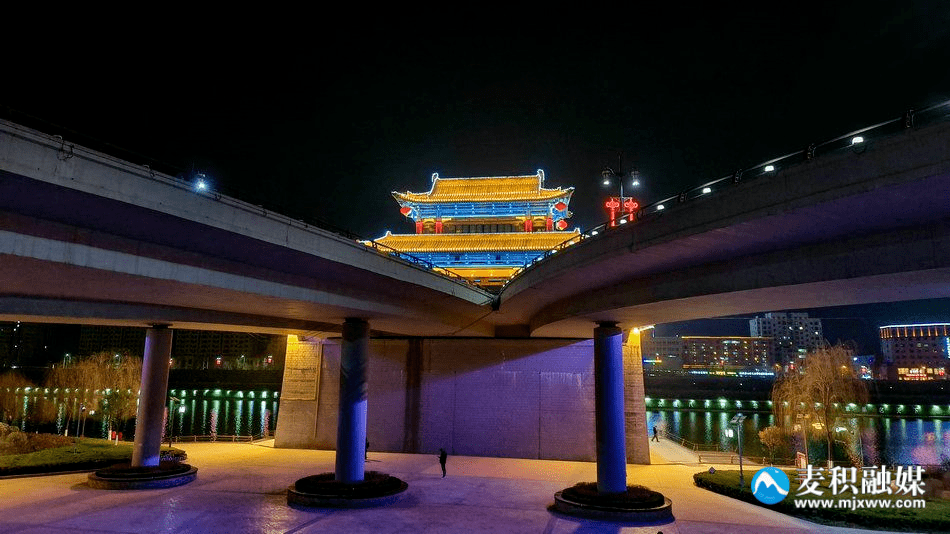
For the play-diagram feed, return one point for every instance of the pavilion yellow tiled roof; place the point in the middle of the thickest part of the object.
(410, 243)
(497, 189)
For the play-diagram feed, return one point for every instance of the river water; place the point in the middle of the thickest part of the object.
(883, 439)
(196, 413)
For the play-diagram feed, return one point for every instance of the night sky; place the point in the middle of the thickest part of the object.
(325, 124)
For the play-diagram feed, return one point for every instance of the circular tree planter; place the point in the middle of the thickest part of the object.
(323, 491)
(126, 477)
(638, 504)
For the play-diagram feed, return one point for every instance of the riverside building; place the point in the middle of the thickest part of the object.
(916, 351)
(793, 335)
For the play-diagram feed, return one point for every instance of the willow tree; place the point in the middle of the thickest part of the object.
(105, 381)
(12, 385)
(820, 390)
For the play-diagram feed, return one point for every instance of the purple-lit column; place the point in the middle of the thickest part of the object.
(608, 396)
(351, 429)
(149, 419)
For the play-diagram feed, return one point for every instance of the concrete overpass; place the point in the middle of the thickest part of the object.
(85, 237)
(88, 238)
(867, 223)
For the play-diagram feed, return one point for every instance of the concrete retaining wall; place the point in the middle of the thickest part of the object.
(519, 398)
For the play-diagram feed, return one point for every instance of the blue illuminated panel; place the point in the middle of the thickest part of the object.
(480, 210)
(476, 259)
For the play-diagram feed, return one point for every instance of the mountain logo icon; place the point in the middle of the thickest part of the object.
(770, 485)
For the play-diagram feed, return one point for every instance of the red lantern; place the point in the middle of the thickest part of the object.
(612, 204)
(562, 224)
(560, 206)
(405, 210)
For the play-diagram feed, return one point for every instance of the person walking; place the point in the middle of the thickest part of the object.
(442, 458)
(655, 435)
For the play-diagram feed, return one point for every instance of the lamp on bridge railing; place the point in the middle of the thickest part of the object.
(201, 182)
(623, 204)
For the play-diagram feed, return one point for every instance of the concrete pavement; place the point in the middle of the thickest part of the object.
(241, 488)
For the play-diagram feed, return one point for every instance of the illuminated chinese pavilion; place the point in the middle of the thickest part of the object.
(484, 229)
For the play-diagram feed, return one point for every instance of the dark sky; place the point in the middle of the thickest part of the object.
(326, 123)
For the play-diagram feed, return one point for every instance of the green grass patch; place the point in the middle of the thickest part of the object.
(86, 454)
(934, 517)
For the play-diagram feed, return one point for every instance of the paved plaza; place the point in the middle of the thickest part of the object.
(242, 488)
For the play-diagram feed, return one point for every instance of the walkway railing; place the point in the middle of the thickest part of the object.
(691, 445)
(218, 438)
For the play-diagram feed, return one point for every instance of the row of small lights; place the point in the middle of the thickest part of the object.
(768, 168)
(918, 408)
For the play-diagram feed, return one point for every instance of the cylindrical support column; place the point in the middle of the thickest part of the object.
(150, 416)
(351, 429)
(608, 396)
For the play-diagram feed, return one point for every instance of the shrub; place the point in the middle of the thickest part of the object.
(13, 441)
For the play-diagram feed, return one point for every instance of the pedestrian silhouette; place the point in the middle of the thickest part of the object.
(442, 457)
(655, 436)
(366, 455)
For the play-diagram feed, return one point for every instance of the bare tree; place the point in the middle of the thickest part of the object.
(772, 437)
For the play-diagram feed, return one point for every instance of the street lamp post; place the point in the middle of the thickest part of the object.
(623, 203)
(82, 411)
(737, 422)
(171, 417)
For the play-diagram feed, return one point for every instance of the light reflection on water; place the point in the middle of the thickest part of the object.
(239, 414)
(891, 440)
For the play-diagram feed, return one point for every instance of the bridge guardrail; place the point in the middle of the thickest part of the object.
(69, 149)
(855, 140)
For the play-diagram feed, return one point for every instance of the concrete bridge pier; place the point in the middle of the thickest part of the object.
(149, 419)
(351, 429)
(638, 442)
(609, 415)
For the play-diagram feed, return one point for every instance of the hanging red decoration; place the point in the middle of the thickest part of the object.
(560, 206)
(405, 210)
(562, 224)
(612, 204)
